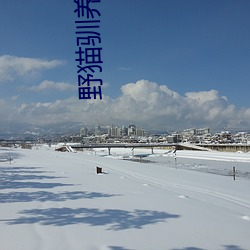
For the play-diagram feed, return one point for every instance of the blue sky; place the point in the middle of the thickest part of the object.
(166, 63)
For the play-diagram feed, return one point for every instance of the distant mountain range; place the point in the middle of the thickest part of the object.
(11, 130)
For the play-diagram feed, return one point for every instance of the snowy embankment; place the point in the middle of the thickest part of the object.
(52, 200)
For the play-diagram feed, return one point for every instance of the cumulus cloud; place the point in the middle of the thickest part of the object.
(205, 96)
(148, 105)
(46, 85)
(12, 66)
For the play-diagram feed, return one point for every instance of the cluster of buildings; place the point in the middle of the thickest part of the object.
(131, 133)
(113, 134)
(203, 136)
(134, 134)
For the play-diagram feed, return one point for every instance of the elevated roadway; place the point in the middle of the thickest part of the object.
(109, 146)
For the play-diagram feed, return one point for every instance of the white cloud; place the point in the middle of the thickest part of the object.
(147, 104)
(46, 85)
(11, 66)
(204, 96)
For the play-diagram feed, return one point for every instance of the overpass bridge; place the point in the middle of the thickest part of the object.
(109, 146)
(230, 147)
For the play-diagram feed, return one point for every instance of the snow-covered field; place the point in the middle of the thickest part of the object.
(55, 201)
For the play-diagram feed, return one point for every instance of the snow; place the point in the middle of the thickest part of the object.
(55, 200)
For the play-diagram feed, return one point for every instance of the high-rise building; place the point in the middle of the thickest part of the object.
(140, 132)
(98, 130)
(113, 131)
(124, 131)
(83, 132)
(131, 130)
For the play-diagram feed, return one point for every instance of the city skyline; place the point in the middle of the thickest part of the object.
(167, 65)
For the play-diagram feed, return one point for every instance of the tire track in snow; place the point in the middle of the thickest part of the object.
(161, 183)
(222, 196)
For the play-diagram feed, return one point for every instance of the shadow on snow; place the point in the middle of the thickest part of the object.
(44, 196)
(17, 184)
(117, 248)
(15, 177)
(232, 247)
(21, 170)
(116, 219)
(227, 247)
